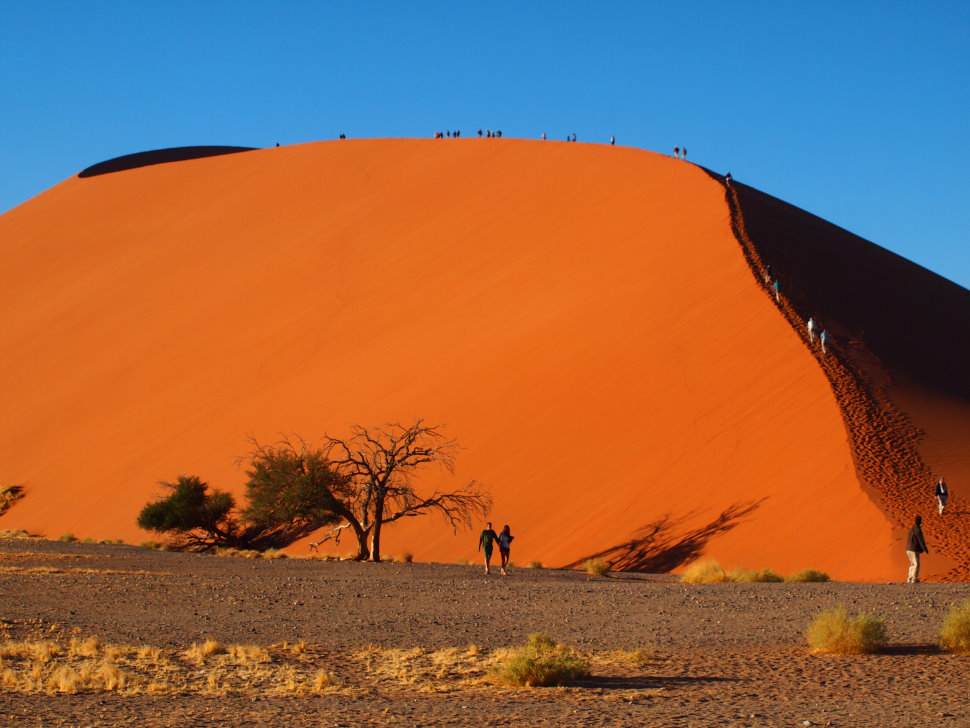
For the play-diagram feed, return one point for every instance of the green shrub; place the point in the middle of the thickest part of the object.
(67, 537)
(756, 575)
(833, 631)
(809, 575)
(955, 633)
(540, 663)
(596, 567)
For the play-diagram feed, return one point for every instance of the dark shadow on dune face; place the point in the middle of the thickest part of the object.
(157, 156)
(663, 545)
(914, 321)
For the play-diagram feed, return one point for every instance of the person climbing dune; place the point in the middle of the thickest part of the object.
(825, 340)
(812, 326)
(942, 494)
(777, 287)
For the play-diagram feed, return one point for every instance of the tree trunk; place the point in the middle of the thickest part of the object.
(375, 539)
(361, 545)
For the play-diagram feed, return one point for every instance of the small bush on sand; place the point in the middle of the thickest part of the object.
(704, 572)
(809, 575)
(463, 562)
(155, 545)
(955, 633)
(764, 576)
(273, 554)
(67, 537)
(535, 564)
(596, 567)
(834, 632)
(407, 557)
(540, 663)
(199, 652)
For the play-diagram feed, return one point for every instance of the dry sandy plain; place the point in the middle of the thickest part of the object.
(409, 644)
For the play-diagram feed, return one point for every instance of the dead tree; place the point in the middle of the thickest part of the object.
(381, 464)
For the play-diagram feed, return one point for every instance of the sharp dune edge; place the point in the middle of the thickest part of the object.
(581, 318)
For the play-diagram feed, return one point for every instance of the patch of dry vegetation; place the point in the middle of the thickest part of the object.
(711, 572)
(18, 534)
(955, 633)
(54, 570)
(540, 663)
(834, 632)
(596, 567)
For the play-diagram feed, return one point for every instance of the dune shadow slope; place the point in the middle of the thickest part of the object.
(157, 156)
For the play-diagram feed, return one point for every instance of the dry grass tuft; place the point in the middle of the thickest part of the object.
(834, 632)
(955, 633)
(535, 564)
(248, 653)
(541, 662)
(596, 567)
(809, 575)
(17, 534)
(704, 572)
(208, 648)
(711, 572)
(406, 558)
(90, 647)
(67, 537)
(272, 554)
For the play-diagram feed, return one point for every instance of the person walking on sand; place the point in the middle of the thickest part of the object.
(485, 544)
(683, 153)
(777, 287)
(677, 152)
(504, 547)
(812, 326)
(825, 340)
(767, 274)
(942, 494)
(915, 545)
(543, 136)
(727, 179)
(612, 140)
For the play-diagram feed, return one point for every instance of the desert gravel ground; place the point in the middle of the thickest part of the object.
(728, 654)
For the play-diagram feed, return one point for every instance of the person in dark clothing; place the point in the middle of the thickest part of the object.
(915, 545)
(486, 543)
(942, 493)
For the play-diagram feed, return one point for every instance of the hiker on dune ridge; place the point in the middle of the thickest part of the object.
(942, 494)
(812, 327)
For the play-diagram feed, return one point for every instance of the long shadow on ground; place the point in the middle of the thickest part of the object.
(157, 156)
(657, 548)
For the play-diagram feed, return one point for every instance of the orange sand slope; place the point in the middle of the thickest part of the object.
(579, 316)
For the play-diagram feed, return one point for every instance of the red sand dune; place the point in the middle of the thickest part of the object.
(581, 317)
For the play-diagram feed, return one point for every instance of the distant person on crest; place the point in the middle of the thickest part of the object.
(915, 545)
(486, 542)
(677, 152)
(777, 287)
(505, 547)
(826, 341)
(942, 494)
(683, 153)
(767, 273)
(543, 136)
(727, 179)
(812, 327)
(479, 133)
(612, 140)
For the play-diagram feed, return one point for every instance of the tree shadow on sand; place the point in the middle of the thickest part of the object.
(663, 545)
(645, 682)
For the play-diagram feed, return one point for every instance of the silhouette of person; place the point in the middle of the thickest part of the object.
(777, 287)
(683, 153)
(543, 136)
(942, 494)
(767, 274)
(277, 143)
(479, 133)
(505, 546)
(826, 341)
(486, 542)
(915, 545)
(677, 152)
(574, 136)
(812, 326)
(612, 140)
(498, 133)
(727, 179)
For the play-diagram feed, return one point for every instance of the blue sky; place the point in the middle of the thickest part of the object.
(855, 111)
